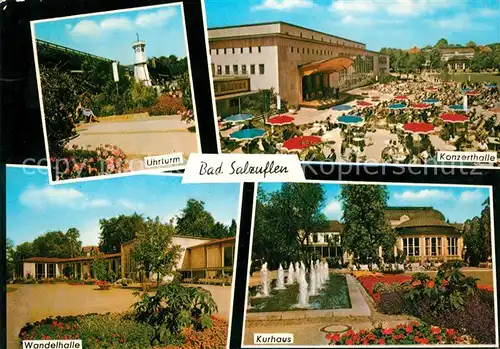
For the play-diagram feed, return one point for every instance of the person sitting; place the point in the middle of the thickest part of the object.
(86, 113)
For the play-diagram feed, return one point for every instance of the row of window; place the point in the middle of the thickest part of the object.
(311, 51)
(236, 71)
(433, 246)
(234, 50)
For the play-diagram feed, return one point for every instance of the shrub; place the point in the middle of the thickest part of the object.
(79, 162)
(166, 105)
(173, 308)
(393, 303)
(210, 338)
(411, 333)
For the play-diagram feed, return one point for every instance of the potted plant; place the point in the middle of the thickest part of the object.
(103, 285)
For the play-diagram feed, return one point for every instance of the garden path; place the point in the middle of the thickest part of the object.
(34, 302)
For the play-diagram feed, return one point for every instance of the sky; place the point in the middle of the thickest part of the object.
(35, 207)
(111, 35)
(377, 23)
(456, 203)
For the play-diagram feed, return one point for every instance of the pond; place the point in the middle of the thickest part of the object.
(335, 295)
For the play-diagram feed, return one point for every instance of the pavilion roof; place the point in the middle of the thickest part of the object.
(424, 222)
(395, 213)
(333, 226)
(330, 65)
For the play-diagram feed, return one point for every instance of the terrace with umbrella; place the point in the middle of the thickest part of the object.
(419, 129)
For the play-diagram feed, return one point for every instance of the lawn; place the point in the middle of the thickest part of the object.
(476, 77)
(334, 296)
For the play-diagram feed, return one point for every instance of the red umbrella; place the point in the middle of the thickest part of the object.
(418, 127)
(473, 93)
(494, 110)
(364, 104)
(421, 106)
(453, 117)
(431, 89)
(280, 120)
(300, 143)
(400, 98)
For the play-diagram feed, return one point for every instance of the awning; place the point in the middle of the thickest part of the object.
(332, 65)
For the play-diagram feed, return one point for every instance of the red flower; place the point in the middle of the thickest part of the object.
(450, 332)
(334, 337)
(435, 330)
(423, 341)
(121, 340)
(381, 341)
(387, 331)
(349, 342)
(409, 329)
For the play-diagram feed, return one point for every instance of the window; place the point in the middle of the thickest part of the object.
(233, 50)
(235, 69)
(227, 70)
(411, 246)
(292, 49)
(219, 70)
(433, 246)
(252, 69)
(303, 50)
(250, 49)
(300, 34)
(225, 51)
(217, 51)
(228, 256)
(315, 238)
(260, 49)
(312, 37)
(241, 50)
(261, 69)
(244, 69)
(307, 50)
(452, 246)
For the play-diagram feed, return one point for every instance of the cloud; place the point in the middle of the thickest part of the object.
(89, 233)
(487, 12)
(85, 28)
(395, 8)
(411, 195)
(283, 5)
(41, 197)
(458, 22)
(118, 23)
(131, 205)
(471, 196)
(155, 19)
(333, 208)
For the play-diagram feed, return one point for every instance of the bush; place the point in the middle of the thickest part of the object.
(166, 105)
(213, 338)
(393, 303)
(173, 308)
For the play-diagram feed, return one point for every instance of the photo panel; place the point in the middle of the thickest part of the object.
(370, 263)
(139, 261)
(355, 82)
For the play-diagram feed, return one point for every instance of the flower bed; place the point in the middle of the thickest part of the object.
(411, 333)
(214, 337)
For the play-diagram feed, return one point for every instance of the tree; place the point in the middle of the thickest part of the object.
(219, 231)
(366, 227)
(232, 228)
(118, 230)
(75, 245)
(442, 43)
(185, 87)
(154, 250)
(56, 244)
(471, 44)
(486, 228)
(435, 58)
(475, 251)
(10, 262)
(194, 220)
(100, 269)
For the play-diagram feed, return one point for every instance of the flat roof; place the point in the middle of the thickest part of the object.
(286, 23)
(214, 242)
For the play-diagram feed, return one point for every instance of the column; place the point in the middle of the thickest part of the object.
(422, 247)
(45, 271)
(463, 66)
(445, 248)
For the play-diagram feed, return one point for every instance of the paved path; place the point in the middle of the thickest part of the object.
(34, 302)
(139, 138)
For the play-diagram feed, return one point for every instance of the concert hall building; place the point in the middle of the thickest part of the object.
(300, 64)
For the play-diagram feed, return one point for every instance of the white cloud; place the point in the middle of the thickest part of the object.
(487, 12)
(98, 203)
(89, 233)
(41, 197)
(131, 205)
(333, 208)
(85, 28)
(458, 22)
(353, 6)
(471, 195)
(396, 8)
(282, 5)
(155, 19)
(424, 194)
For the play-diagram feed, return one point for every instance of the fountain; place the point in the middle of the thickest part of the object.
(313, 291)
(319, 274)
(297, 271)
(291, 275)
(264, 280)
(281, 279)
(326, 271)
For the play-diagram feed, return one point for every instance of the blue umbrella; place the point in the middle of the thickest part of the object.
(456, 107)
(238, 117)
(431, 100)
(492, 85)
(248, 134)
(466, 90)
(342, 107)
(350, 119)
(397, 106)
